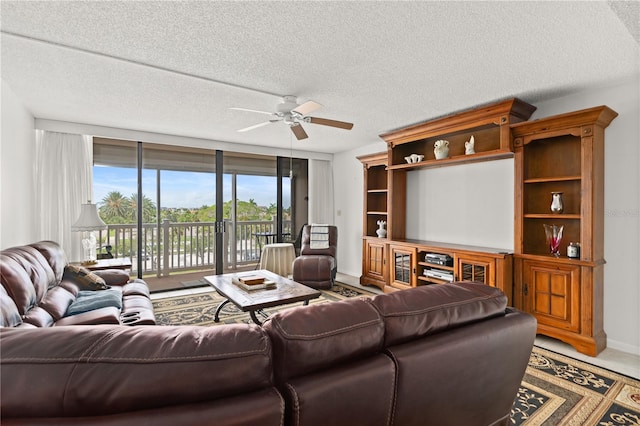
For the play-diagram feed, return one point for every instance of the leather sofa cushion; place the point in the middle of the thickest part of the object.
(425, 310)
(360, 393)
(54, 255)
(9, 315)
(312, 337)
(26, 276)
(91, 371)
(56, 302)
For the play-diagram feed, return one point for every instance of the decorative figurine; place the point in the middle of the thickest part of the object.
(469, 146)
(382, 233)
(441, 149)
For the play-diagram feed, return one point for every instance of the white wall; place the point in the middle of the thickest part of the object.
(622, 205)
(464, 204)
(17, 150)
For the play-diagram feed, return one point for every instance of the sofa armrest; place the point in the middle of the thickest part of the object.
(113, 276)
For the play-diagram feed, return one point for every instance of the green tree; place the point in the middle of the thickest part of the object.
(114, 208)
(148, 208)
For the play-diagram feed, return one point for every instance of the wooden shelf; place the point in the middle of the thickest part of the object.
(552, 179)
(432, 280)
(436, 266)
(452, 161)
(551, 216)
(378, 213)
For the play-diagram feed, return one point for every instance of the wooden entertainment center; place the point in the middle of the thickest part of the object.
(564, 153)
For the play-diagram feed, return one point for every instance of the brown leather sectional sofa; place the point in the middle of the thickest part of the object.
(39, 289)
(450, 354)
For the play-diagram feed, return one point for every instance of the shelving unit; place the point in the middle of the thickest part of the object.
(424, 265)
(564, 153)
(377, 187)
(483, 264)
(489, 125)
(376, 193)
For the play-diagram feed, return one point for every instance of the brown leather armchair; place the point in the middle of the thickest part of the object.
(317, 264)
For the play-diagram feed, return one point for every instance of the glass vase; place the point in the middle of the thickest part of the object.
(553, 233)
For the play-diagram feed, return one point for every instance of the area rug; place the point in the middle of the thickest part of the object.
(556, 390)
(199, 309)
(559, 390)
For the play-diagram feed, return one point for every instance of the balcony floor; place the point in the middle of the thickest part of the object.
(182, 280)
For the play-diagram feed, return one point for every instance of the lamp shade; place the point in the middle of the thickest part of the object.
(89, 219)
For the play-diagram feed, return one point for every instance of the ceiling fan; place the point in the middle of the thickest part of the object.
(294, 114)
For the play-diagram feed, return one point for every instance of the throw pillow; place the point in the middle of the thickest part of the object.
(91, 300)
(84, 278)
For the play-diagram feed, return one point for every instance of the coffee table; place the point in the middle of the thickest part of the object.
(252, 301)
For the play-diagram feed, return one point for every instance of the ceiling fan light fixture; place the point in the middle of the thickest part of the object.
(293, 114)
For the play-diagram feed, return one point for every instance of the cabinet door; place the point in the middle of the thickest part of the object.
(552, 294)
(374, 266)
(476, 268)
(403, 267)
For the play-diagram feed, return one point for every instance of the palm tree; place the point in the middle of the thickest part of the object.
(148, 208)
(114, 208)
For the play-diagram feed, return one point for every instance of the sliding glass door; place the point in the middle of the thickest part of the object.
(187, 209)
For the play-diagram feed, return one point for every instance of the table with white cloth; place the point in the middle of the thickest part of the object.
(278, 258)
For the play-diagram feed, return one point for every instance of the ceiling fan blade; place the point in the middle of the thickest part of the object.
(251, 110)
(307, 107)
(299, 131)
(255, 126)
(332, 123)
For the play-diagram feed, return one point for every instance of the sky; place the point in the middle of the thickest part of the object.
(185, 189)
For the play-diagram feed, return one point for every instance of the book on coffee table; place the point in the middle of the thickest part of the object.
(251, 279)
(253, 282)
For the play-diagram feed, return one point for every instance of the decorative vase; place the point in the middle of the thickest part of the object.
(553, 234)
(441, 149)
(557, 205)
(382, 233)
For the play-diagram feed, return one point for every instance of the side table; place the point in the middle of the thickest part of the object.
(278, 258)
(119, 263)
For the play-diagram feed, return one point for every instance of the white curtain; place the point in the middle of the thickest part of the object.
(320, 192)
(64, 176)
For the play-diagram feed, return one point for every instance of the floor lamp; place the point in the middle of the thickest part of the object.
(88, 222)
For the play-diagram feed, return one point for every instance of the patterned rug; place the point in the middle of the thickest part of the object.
(199, 309)
(556, 390)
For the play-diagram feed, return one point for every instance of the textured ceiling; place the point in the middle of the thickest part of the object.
(177, 67)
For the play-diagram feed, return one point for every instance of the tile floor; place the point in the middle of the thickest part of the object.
(611, 359)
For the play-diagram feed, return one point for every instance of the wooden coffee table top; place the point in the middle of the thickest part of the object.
(285, 292)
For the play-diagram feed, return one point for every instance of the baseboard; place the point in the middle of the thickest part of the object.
(623, 347)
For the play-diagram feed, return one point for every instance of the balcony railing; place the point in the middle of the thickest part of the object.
(179, 246)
